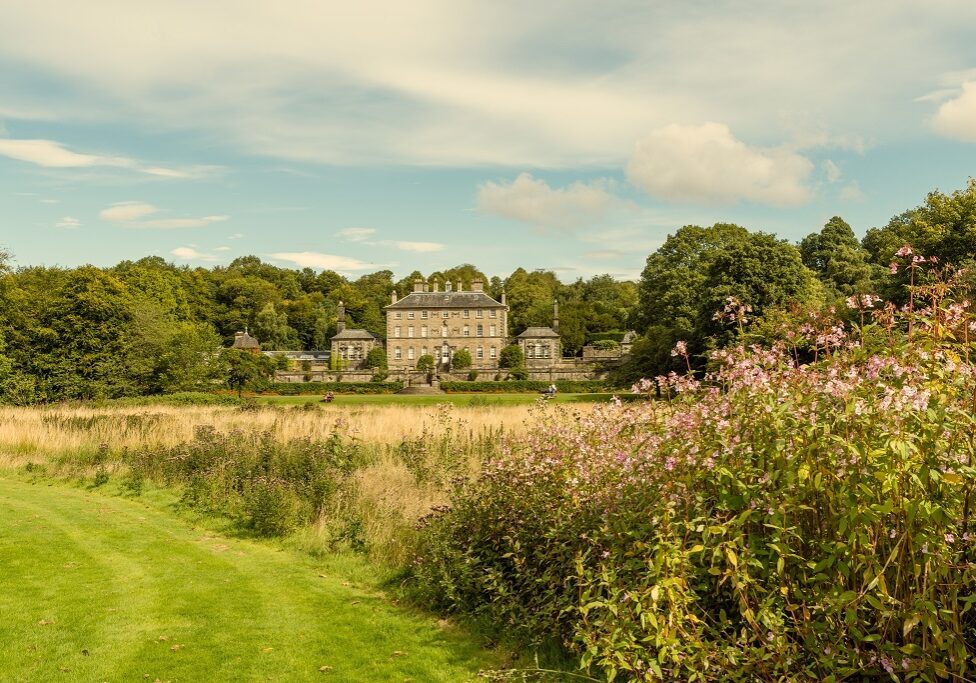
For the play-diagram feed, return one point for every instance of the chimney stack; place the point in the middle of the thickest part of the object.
(393, 297)
(341, 323)
(459, 286)
(555, 316)
(418, 285)
(447, 286)
(477, 286)
(436, 286)
(503, 298)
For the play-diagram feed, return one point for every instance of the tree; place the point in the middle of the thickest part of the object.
(376, 358)
(511, 357)
(461, 360)
(426, 363)
(838, 259)
(246, 370)
(272, 330)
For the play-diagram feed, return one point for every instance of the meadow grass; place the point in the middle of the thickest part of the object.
(107, 588)
(461, 400)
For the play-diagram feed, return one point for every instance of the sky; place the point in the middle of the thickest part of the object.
(567, 135)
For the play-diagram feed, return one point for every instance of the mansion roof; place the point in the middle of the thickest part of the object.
(537, 332)
(446, 300)
(353, 334)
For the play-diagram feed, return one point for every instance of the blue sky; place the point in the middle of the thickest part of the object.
(573, 136)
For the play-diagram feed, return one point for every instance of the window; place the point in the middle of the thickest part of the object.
(467, 313)
(481, 352)
(479, 313)
(491, 352)
(398, 315)
(423, 351)
(423, 330)
(481, 330)
(410, 331)
(444, 314)
(467, 331)
(494, 313)
(410, 353)
(423, 315)
(444, 331)
(410, 315)
(396, 331)
(529, 351)
(397, 353)
(491, 330)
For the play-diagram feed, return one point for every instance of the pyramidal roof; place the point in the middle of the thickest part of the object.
(446, 300)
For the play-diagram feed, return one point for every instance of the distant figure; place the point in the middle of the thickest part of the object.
(329, 397)
(549, 392)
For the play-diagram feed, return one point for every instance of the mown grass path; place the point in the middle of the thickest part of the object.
(100, 588)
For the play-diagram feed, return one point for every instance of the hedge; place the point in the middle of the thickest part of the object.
(588, 386)
(297, 389)
(613, 335)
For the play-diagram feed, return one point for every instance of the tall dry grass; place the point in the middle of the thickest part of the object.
(412, 452)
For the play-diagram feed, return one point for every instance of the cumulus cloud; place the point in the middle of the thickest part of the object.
(356, 234)
(68, 223)
(531, 200)
(831, 171)
(191, 254)
(707, 163)
(130, 214)
(956, 118)
(318, 260)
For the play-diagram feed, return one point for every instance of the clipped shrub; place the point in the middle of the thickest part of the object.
(606, 344)
(300, 389)
(461, 360)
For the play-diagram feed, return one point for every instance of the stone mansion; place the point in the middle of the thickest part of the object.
(428, 321)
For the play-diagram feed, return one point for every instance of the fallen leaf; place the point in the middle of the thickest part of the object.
(325, 669)
(176, 648)
(164, 637)
(267, 649)
(45, 622)
(398, 653)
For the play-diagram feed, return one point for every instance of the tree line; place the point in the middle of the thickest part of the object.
(149, 326)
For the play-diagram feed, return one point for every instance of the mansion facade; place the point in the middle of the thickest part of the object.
(440, 323)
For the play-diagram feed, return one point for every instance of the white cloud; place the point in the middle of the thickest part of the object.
(420, 247)
(129, 214)
(831, 171)
(123, 212)
(235, 236)
(51, 154)
(605, 254)
(707, 163)
(852, 192)
(68, 223)
(166, 172)
(356, 234)
(221, 248)
(532, 201)
(191, 254)
(50, 201)
(956, 118)
(312, 259)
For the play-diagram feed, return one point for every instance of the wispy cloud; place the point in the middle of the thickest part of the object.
(956, 118)
(68, 223)
(356, 234)
(533, 201)
(318, 260)
(53, 154)
(131, 215)
(420, 247)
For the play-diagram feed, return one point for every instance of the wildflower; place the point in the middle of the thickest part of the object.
(906, 250)
(893, 267)
(887, 664)
(680, 349)
(950, 537)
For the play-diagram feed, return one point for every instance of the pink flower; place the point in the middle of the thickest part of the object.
(894, 267)
(906, 250)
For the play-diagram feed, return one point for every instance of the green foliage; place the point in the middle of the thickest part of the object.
(461, 360)
(838, 259)
(295, 389)
(247, 370)
(606, 344)
(376, 358)
(426, 363)
(267, 485)
(511, 357)
(769, 522)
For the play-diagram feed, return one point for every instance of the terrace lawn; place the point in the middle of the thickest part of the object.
(99, 587)
(461, 400)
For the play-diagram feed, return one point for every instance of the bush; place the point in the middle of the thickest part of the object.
(473, 376)
(376, 358)
(511, 357)
(770, 522)
(461, 360)
(606, 345)
(310, 388)
(426, 363)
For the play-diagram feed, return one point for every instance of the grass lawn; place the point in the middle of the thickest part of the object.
(99, 588)
(474, 399)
